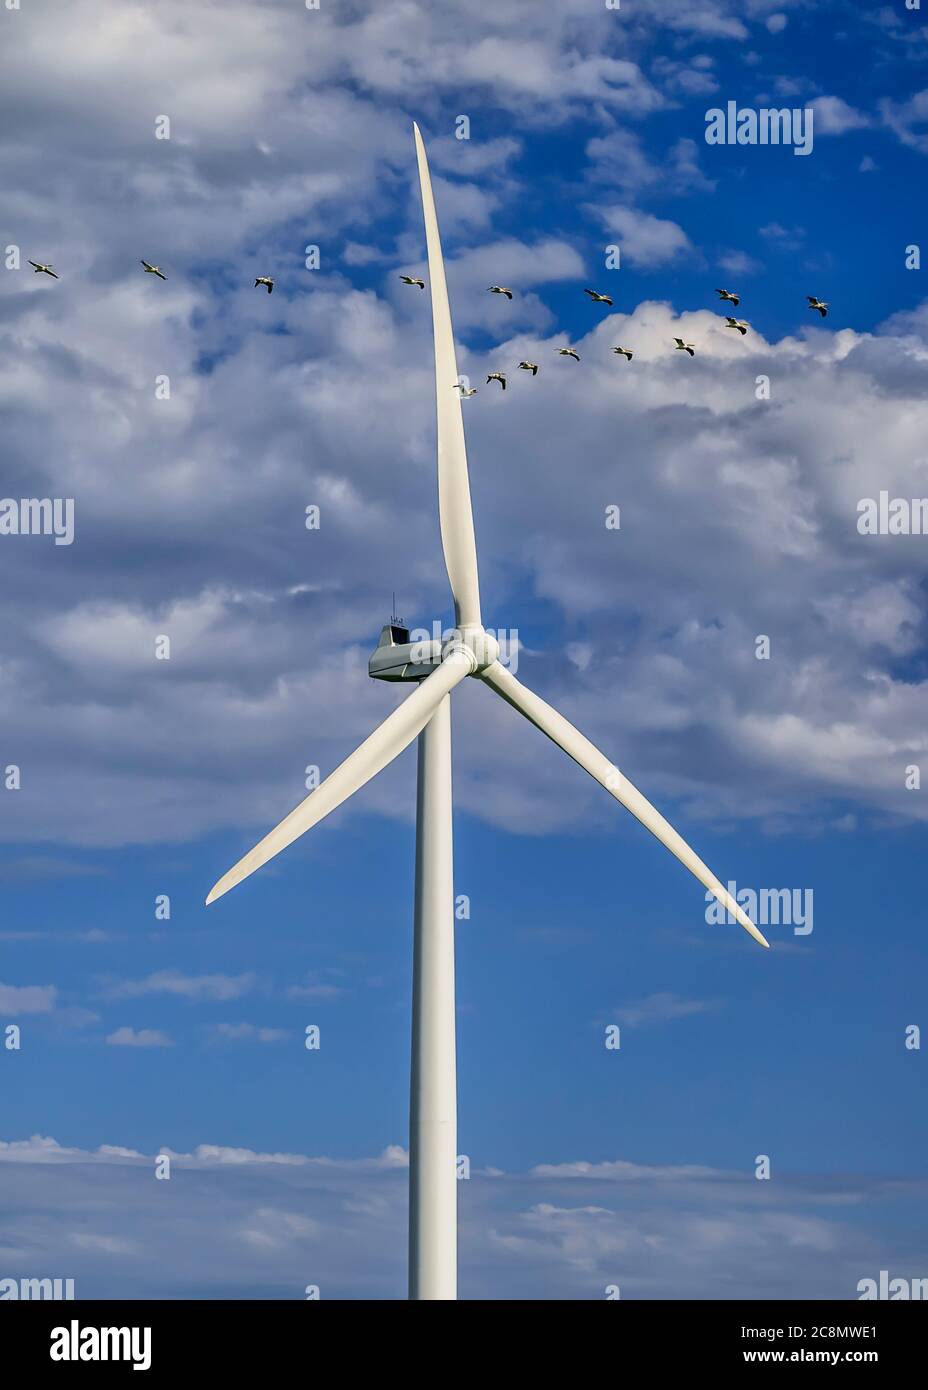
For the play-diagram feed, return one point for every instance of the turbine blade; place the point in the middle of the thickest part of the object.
(454, 506)
(386, 742)
(578, 747)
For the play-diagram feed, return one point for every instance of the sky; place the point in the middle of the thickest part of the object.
(738, 473)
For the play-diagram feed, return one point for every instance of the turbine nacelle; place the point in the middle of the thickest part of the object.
(395, 658)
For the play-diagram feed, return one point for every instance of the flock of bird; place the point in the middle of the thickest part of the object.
(41, 268)
(727, 296)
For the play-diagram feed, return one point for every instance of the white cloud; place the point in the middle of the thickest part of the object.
(661, 1008)
(833, 116)
(27, 999)
(645, 240)
(908, 119)
(246, 1224)
(187, 986)
(250, 1032)
(145, 1037)
(190, 512)
(740, 263)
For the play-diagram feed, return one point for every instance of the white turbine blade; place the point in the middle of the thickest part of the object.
(386, 742)
(454, 508)
(578, 747)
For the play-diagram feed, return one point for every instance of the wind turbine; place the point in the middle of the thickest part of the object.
(425, 714)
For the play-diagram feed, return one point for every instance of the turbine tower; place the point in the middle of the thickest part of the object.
(436, 669)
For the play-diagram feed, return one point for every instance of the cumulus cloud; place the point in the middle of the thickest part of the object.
(834, 116)
(908, 120)
(620, 158)
(236, 1223)
(645, 240)
(190, 512)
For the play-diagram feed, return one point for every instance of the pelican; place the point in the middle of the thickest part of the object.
(818, 304)
(464, 391)
(732, 298)
(529, 367)
(624, 352)
(497, 376)
(569, 352)
(409, 280)
(43, 269)
(265, 280)
(154, 270)
(741, 324)
(500, 289)
(599, 298)
(686, 347)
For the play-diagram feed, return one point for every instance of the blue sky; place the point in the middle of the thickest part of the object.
(142, 778)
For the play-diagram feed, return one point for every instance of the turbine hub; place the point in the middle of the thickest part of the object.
(481, 645)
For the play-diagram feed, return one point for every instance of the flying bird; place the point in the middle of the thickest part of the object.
(686, 347)
(732, 298)
(154, 270)
(500, 289)
(529, 367)
(265, 280)
(624, 352)
(569, 352)
(409, 280)
(458, 386)
(497, 376)
(599, 298)
(818, 304)
(741, 324)
(43, 269)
